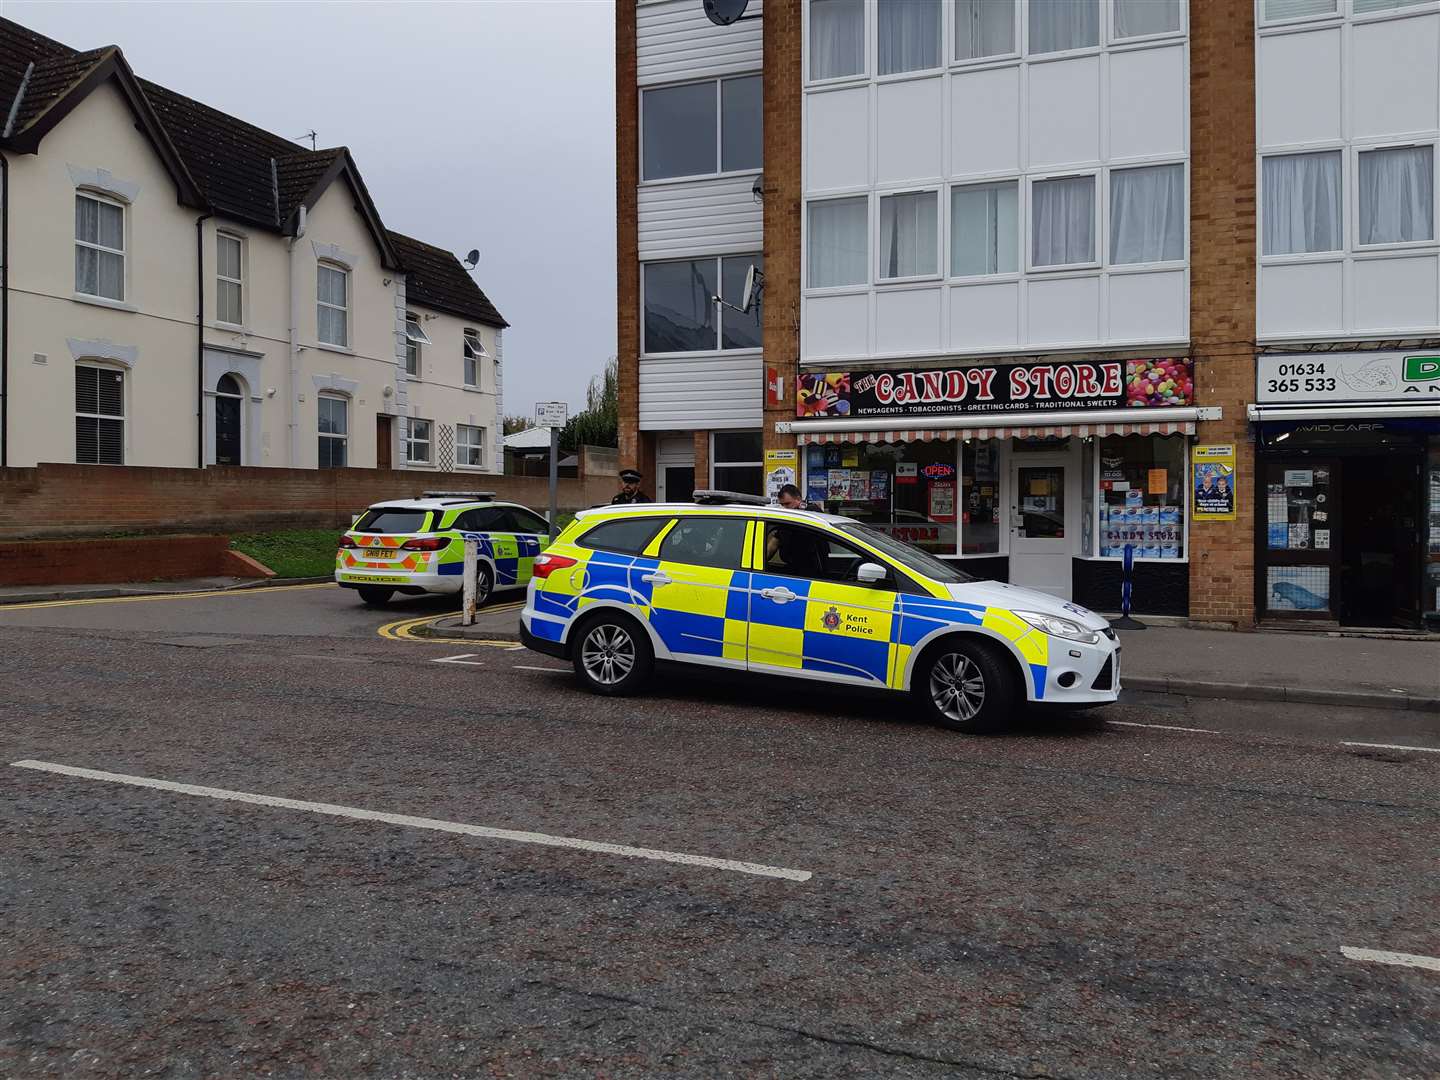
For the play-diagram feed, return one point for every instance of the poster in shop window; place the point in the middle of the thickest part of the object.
(942, 501)
(781, 468)
(1214, 480)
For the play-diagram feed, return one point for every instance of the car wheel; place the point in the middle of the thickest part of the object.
(613, 655)
(966, 686)
(484, 584)
(374, 596)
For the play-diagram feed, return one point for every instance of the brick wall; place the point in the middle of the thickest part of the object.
(89, 562)
(86, 500)
(1222, 296)
(783, 197)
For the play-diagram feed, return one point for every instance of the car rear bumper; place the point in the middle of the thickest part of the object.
(402, 579)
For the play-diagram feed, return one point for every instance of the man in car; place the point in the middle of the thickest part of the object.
(629, 489)
(790, 498)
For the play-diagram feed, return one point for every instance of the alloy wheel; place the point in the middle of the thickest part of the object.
(608, 654)
(957, 687)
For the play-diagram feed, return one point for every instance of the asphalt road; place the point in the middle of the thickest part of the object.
(1081, 898)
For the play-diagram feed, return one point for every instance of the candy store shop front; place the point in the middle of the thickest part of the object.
(1348, 468)
(1038, 473)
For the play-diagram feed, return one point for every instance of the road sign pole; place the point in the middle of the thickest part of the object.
(554, 477)
(471, 570)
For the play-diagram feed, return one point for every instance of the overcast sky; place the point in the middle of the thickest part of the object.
(487, 123)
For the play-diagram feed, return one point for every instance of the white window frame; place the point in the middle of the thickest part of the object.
(867, 196)
(1102, 34)
(123, 417)
(941, 248)
(412, 441)
(415, 339)
(344, 439)
(1116, 42)
(1351, 202)
(1342, 8)
(222, 235)
(1017, 32)
(718, 260)
(472, 353)
(867, 50)
(344, 271)
(123, 252)
(872, 43)
(1101, 222)
(1347, 184)
(1112, 267)
(1022, 233)
(461, 443)
(719, 172)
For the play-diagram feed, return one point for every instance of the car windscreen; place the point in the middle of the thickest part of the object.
(391, 519)
(908, 556)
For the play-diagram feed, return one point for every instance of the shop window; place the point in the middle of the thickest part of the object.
(737, 461)
(1142, 496)
(980, 513)
(906, 490)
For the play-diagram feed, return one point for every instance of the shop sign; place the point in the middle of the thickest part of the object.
(1347, 377)
(995, 388)
(1213, 469)
(781, 468)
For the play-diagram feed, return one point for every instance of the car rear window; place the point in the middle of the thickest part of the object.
(629, 536)
(392, 519)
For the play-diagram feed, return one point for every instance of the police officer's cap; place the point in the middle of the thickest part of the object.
(630, 476)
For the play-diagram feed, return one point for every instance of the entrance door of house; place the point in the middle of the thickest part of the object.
(383, 442)
(1043, 519)
(675, 469)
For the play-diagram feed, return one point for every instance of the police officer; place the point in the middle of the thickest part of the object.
(629, 489)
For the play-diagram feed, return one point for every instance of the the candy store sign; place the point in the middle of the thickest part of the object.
(1023, 387)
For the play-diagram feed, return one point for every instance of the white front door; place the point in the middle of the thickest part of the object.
(675, 470)
(1044, 520)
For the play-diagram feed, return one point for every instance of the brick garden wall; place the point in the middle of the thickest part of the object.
(1222, 296)
(87, 500)
(90, 562)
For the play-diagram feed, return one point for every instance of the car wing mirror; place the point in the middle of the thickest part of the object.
(868, 573)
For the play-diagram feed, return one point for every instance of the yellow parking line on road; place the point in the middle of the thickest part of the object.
(401, 630)
(256, 591)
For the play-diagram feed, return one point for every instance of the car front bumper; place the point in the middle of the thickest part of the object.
(1080, 674)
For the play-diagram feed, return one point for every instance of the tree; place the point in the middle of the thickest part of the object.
(511, 424)
(598, 424)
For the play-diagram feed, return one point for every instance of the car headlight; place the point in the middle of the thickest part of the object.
(1061, 628)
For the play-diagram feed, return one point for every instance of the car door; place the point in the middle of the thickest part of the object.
(532, 536)
(699, 589)
(809, 615)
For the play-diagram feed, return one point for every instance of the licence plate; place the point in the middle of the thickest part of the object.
(375, 579)
(379, 553)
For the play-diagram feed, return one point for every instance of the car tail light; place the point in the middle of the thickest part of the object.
(346, 542)
(425, 543)
(545, 565)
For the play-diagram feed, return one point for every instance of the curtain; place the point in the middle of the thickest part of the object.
(1135, 18)
(908, 35)
(907, 235)
(1296, 9)
(837, 243)
(1147, 208)
(1056, 25)
(984, 28)
(983, 230)
(1397, 195)
(1300, 203)
(1063, 220)
(837, 38)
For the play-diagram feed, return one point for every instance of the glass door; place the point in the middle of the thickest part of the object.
(1300, 537)
(1040, 544)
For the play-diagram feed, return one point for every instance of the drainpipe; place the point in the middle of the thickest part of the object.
(294, 410)
(4, 311)
(200, 340)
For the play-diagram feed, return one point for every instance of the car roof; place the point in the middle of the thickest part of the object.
(437, 504)
(692, 509)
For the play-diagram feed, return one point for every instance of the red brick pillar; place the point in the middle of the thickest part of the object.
(784, 103)
(635, 451)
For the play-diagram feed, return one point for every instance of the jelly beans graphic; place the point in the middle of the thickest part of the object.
(1158, 382)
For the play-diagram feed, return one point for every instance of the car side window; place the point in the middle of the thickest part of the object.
(801, 552)
(627, 536)
(526, 522)
(702, 541)
(482, 519)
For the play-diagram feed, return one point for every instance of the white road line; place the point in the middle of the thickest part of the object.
(1399, 959)
(1164, 727)
(531, 667)
(463, 658)
(331, 809)
(1393, 746)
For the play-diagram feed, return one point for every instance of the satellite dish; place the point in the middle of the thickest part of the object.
(724, 12)
(473, 259)
(754, 285)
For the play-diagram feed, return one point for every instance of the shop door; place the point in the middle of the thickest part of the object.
(1379, 540)
(1300, 532)
(1042, 523)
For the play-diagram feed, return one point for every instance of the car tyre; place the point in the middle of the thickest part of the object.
(612, 655)
(484, 584)
(374, 595)
(966, 685)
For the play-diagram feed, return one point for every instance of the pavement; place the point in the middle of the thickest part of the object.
(262, 832)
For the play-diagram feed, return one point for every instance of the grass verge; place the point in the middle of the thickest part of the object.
(291, 554)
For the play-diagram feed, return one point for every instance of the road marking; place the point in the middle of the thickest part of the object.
(401, 630)
(436, 824)
(259, 590)
(1394, 746)
(1399, 959)
(531, 667)
(463, 658)
(1164, 727)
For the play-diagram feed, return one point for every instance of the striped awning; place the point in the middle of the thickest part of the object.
(1166, 427)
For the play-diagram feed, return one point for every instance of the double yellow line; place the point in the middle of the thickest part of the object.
(402, 630)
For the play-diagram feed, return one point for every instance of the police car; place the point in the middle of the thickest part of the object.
(417, 546)
(731, 582)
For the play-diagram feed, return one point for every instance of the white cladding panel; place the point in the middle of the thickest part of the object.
(985, 121)
(835, 155)
(675, 42)
(1148, 307)
(837, 325)
(1394, 82)
(909, 131)
(698, 217)
(907, 320)
(1147, 103)
(702, 392)
(1064, 311)
(1299, 87)
(1298, 298)
(1396, 293)
(985, 316)
(1064, 112)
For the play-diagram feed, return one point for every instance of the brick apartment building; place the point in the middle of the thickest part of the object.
(1047, 279)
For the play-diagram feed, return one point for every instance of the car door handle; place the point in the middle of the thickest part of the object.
(657, 579)
(781, 595)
